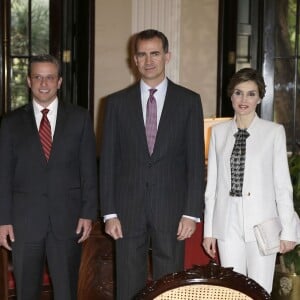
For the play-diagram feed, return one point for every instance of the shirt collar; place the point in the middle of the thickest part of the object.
(252, 124)
(160, 87)
(52, 106)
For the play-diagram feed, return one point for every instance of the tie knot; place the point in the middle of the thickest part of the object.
(45, 111)
(241, 133)
(152, 91)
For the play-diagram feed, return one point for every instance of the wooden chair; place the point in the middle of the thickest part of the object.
(7, 282)
(96, 276)
(204, 282)
(3, 274)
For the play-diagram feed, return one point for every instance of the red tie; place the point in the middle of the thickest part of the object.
(45, 133)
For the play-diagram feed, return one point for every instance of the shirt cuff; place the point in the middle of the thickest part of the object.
(197, 220)
(108, 217)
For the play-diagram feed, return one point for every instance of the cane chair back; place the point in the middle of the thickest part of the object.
(209, 282)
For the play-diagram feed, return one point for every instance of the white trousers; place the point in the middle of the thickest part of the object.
(245, 257)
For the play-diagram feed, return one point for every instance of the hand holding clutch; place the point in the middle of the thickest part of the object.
(268, 233)
(267, 236)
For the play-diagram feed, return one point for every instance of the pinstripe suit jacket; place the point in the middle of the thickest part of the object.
(34, 191)
(162, 187)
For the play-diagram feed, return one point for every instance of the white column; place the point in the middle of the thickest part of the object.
(163, 15)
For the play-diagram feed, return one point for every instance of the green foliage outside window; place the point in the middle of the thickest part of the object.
(29, 35)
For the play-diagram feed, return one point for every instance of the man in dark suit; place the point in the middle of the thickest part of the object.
(151, 176)
(48, 192)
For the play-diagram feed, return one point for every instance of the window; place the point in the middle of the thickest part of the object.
(27, 34)
(265, 36)
(64, 29)
(286, 105)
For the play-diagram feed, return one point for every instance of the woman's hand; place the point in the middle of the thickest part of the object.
(209, 245)
(286, 246)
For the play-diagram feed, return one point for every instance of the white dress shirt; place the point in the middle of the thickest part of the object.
(159, 96)
(52, 114)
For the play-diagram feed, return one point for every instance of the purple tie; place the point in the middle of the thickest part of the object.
(45, 133)
(151, 121)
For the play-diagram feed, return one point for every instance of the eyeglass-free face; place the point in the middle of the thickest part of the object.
(150, 60)
(245, 98)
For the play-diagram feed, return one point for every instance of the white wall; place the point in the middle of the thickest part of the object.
(198, 50)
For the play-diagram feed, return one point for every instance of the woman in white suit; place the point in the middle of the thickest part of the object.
(248, 182)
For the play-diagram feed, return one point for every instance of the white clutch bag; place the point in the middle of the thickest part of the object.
(267, 236)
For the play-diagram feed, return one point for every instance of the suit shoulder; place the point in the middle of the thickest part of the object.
(222, 125)
(121, 94)
(17, 113)
(73, 108)
(266, 125)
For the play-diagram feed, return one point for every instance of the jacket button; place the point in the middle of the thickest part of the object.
(149, 165)
(248, 194)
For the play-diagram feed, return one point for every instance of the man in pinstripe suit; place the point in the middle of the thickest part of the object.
(151, 197)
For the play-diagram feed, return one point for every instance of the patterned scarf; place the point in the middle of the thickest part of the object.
(237, 162)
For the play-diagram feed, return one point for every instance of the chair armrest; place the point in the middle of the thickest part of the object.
(3, 274)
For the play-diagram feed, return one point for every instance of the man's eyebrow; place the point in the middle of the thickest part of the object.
(152, 52)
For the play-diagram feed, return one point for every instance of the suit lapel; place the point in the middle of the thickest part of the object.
(136, 115)
(61, 118)
(167, 114)
(229, 142)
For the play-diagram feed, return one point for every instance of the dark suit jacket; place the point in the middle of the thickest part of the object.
(35, 193)
(162, 187)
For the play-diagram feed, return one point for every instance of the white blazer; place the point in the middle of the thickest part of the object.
(267, 188)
